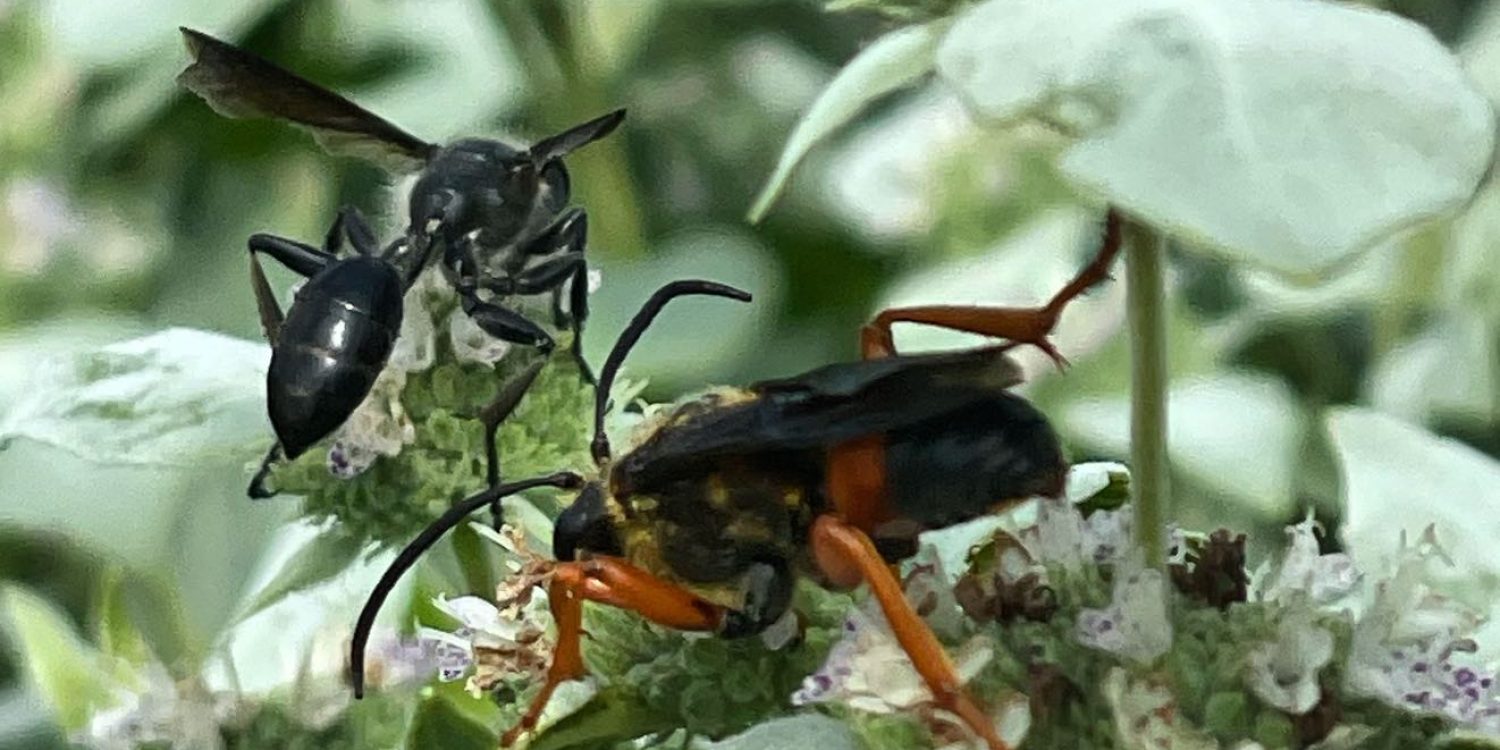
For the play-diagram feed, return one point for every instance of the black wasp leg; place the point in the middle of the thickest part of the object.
(566, 233)
(578, 308)
(542, 277)
(304, 260)
(492, 416)
(257, 489)
(505, 324)
(333, 241)
(361, 235)
(502, 323)
(441, 214)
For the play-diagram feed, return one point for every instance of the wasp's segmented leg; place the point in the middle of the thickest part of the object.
(848, 557)
(492, 416)
(1020, 325)
(611, 581)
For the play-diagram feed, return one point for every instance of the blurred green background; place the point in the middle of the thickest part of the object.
(125, 203)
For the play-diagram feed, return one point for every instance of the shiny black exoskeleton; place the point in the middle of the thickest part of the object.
(499, 213)
(329, 348)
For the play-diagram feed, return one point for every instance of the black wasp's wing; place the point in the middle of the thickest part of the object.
(237, 83)
(818, 409)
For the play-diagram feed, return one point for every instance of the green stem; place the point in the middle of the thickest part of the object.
(1146, 301)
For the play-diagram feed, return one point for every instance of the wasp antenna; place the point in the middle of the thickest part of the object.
(633, 333)
(408, 556)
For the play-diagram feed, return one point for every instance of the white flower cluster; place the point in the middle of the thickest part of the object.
(380, 426)
(499, 641)
(1412, 647)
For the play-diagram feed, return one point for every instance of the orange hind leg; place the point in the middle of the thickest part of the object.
(848, 557)
(1020, 325)
(607, 580)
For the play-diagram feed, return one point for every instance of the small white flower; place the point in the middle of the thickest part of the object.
(1302, 571)
(502, 640)
(1063, 536)
(1410, 647)
(471, 343)
(869, 671)
(929, 590)
(379, 427)
(1146, 716)
(1135, 623)
(416, 344)
(1284, 672)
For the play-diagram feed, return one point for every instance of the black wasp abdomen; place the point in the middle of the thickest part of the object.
(333, 344)
(950, 469)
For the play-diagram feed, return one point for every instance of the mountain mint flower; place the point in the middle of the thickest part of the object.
(1411, 648)
(379, 427)
(470, 342)
(1284, 672)
(1303, 571)
(1147, 717)
(1064, 536)
(867, 670)
(1134, 624)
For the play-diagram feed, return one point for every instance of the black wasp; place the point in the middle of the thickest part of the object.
(499, 212)
(329, 348)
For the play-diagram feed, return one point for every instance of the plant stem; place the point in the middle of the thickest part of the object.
(1146, 302)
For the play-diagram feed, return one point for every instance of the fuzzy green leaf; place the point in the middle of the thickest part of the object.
(1288, 134)
(319, 559)
(612, 716)
(793, 733)
(171, 398)
(68, 672)
(893, 62)
(439, 724)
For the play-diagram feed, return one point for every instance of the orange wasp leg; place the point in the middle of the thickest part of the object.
(847, 556)
(611, 581)
(1020, 325)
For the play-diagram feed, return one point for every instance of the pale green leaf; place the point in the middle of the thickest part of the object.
(171, 398)
(694, 336)
(67, 671)
(892, 62)
(1399, 478)
(439, 724)
(792, 733)
(1237, 434)
(322, 558)
(1443, 372)
(1285, 133)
